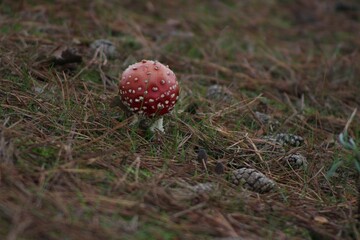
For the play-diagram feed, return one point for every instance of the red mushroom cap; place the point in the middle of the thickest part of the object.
(149, 88)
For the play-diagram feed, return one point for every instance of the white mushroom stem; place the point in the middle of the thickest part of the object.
(158, 124)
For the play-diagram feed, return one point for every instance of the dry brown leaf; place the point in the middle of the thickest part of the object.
(321, 219)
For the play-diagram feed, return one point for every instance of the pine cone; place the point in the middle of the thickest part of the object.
(203, 187)
(252, 180)
(267, 120)
(286, 139)
(270, 148)
(219, 93)
(295, 160)
(107, 47)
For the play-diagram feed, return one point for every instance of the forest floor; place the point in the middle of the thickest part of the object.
(73, 167)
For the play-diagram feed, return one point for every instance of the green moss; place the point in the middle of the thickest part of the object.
(12, 28)
(91, 75)
(129, 43)
(186, 47)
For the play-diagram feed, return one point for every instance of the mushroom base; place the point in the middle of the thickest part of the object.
(158, 125)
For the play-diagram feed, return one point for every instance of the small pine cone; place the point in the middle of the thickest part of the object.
(252, 180)
(270, 148)
(289, 139)
(295, 160)
(219, 93)
(203, 187)
(107, 47)
(267, 120)
(202, 156)
(286, 139)
(219, 168)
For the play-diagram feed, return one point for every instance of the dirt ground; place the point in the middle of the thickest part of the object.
(251, 150)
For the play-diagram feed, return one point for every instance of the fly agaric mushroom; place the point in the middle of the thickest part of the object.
(149, 88)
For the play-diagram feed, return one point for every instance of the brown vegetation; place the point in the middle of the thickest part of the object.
(72, 166)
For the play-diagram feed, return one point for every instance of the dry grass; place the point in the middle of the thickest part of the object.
(72, 166)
